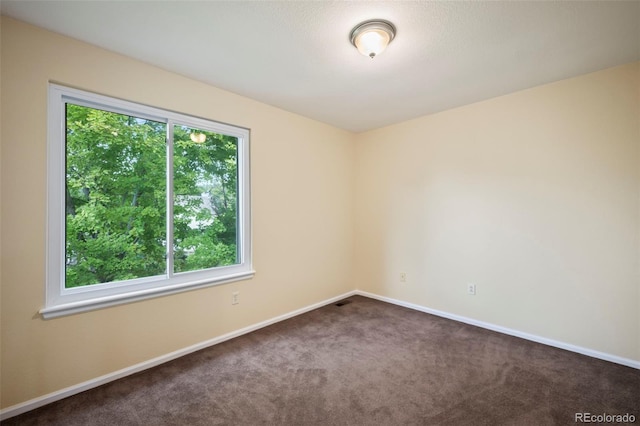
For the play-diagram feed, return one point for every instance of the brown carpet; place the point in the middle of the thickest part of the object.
(364, 363)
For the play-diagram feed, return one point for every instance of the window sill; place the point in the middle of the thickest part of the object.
(135, 296)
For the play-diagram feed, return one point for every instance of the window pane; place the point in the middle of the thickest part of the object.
(115, 197)
(205, 199)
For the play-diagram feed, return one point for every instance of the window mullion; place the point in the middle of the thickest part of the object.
(170, 196)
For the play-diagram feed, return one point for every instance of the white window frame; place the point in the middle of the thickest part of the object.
(62, 301)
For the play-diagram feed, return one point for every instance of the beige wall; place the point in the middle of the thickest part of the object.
(533, 196)
(302, 198)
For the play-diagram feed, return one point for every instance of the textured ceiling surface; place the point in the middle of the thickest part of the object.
(296, 55)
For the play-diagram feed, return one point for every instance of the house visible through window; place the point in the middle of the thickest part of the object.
(141, 202)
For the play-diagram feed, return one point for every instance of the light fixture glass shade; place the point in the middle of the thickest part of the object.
(372, 37)
(370, 43)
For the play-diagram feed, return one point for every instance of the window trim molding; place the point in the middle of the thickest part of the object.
(60, 301)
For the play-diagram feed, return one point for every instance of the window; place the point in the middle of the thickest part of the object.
(141, 202)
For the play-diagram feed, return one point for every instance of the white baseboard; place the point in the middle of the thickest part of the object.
(98, 381)
(511, 332)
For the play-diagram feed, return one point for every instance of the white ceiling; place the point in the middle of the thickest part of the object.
(296, 55)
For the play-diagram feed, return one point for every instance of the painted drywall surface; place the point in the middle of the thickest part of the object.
(532, 196)
(302, 195)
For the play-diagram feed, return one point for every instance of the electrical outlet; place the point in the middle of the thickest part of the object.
(403, 277)
(235, 297)
(471, 289)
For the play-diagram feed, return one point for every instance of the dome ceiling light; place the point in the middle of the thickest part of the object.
(372, 37)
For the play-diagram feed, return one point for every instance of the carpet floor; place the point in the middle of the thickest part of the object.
(363, 363)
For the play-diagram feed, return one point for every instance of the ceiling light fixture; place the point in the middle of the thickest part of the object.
(372, 37)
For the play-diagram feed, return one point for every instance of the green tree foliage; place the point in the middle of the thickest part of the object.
(116, 178)
(205, 205)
